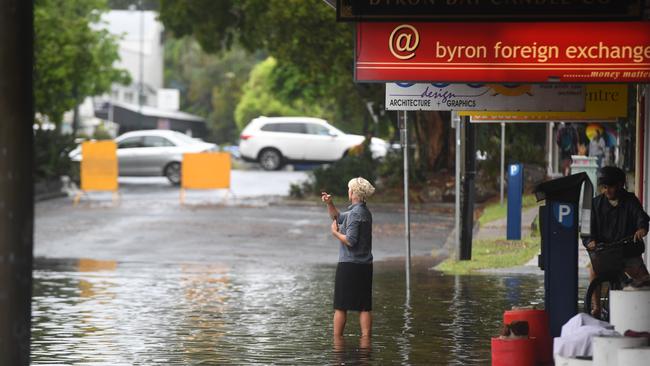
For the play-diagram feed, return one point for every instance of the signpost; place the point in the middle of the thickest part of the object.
(569, 52)
(476, 10)
(501, 97)
(404, 137)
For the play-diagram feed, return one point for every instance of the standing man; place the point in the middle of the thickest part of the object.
(353, 282)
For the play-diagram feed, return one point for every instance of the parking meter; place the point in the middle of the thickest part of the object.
(562, 218)
(515, 194)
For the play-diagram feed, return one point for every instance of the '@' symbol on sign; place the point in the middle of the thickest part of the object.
(403, 42)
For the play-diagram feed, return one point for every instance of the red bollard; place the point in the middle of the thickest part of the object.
(538, 329)
(513, 352)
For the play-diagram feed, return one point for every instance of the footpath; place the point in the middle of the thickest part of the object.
(497, 229)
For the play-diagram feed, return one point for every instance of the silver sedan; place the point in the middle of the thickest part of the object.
(153, 153)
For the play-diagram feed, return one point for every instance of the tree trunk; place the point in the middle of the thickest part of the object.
(75, 113)
(431, 130)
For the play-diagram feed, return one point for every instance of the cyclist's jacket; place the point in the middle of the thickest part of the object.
(611, 223)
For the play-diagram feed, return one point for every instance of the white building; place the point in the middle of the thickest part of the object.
(141, 53)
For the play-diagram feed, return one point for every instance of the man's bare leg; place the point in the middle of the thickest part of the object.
(365, 320)
(595, 296)
(340, 317)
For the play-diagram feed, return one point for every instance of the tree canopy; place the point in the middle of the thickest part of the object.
(73, 56)
(314, 53)
(210, 84)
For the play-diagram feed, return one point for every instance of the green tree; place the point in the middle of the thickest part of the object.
(313, 51)
(73, 57)
(210, 84)
(314, 56)
(259, 98)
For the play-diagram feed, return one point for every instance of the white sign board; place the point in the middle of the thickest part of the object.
(485, 97)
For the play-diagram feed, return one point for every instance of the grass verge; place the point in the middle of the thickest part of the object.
(496, 253)
(495, 211)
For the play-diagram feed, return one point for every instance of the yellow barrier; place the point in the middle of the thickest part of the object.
(603, 102)
(205, 171)
(99, 167)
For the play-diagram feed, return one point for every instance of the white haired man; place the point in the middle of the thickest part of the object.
(353, 282)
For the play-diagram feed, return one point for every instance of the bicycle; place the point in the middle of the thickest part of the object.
(608, 262)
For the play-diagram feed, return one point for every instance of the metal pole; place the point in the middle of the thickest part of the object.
(459, 128)
(503, 158)
(407, 218)
(549, 132)
(16, 180)
(141, 63)
(645, 92)
(468, 191)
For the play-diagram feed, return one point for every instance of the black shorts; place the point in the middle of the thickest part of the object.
(353, 287)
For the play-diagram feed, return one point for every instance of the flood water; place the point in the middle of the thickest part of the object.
(109, 313)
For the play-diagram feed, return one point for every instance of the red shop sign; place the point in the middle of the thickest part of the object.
(503, 52)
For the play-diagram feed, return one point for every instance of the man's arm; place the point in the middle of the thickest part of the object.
(331, 209)
(590, 241)
(640, 218)
(335, 231)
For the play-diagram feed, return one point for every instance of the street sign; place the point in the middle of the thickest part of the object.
(604, 103)
(503, 52)
(485, 97)
(481, 10)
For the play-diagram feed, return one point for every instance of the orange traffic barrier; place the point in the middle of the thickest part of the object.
(209, 170)
(98, 168)
(538, 326)
(513, 352)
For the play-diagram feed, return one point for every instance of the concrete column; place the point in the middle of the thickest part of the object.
(645, 94)
(16, 180)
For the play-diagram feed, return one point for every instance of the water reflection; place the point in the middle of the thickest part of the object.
(102, 312)
(404, 341)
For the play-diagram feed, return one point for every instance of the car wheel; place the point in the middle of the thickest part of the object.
(270, 159)
(173, 173)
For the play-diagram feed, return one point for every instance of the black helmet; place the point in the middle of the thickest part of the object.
(611, 175)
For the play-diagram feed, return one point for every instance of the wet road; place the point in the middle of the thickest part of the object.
(150, 225)
(244, 280)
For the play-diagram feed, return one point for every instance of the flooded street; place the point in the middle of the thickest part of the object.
(105, 312)
(247, 281)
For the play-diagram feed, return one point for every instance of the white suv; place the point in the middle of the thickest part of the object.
(275, 141)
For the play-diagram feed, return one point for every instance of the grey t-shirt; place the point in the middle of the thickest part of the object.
(356, 225)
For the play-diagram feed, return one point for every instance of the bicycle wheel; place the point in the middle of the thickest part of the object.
(606, 284)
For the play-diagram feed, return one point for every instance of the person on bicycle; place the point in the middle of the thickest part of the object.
(615, 215)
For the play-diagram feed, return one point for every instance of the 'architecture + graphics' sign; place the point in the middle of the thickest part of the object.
(481, 10)
(485, 97)
(503, 52)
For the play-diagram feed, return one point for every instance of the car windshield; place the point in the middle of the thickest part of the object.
(185, 139)
(335, 130)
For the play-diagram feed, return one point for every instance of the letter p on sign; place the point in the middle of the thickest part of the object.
(564, 211)
(564, 215)
(514, 169)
